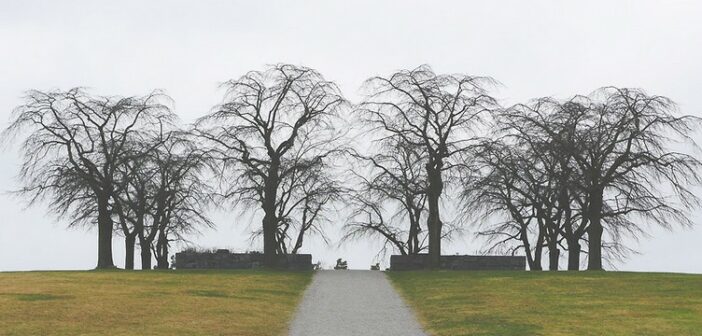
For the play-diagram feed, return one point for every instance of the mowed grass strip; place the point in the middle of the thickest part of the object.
(149, 302)
(545, 303)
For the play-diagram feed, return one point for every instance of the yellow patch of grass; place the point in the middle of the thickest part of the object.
(546, 303)
(149, 302)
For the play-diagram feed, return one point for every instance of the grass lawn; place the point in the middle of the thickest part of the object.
(149, 303)
(530, 303)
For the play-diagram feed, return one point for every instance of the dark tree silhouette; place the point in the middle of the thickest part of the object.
(306, 197)
(518, 175)
(607, 167)
(183, 195)
(273, 124)
(164, 195)
(438, 113)
(537, 131)
(132, 202)
(74, 145)
(502, 181)
(398, 181)
(620, 141)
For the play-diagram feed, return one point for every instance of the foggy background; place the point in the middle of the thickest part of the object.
(542, 48)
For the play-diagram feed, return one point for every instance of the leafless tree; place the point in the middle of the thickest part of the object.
(73, 146)
(536, 129)
(267, 118)
(183, 198)
(133, 199)
(499, 187)
(438, 113)
(620, 141)
(164, 195)
(609, 167)
(521, 179)
(306, 198)
(398, 181)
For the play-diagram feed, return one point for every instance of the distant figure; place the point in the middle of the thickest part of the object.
(375, 267)
(340, 264)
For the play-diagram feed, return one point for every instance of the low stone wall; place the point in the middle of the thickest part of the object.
(223, 259)
(459, 262)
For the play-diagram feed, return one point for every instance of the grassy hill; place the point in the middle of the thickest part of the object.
(544, 303)
(149, 303)
(447, 303)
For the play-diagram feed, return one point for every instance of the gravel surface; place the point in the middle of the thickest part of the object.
(340, 303)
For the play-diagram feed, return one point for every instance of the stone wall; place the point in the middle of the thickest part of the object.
(223, 259)
(459, 262)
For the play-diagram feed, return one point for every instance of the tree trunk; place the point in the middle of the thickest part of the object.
(573, 241)
(553, 255)
(434, 231)
(270, 222)
(164, 264)
(104, 234)
(527, 249)
(530, 260)
(162, 251)
(270, 246)
(145, 254)
(414, 219)
(594, 232)
(551, 229)
(434, 219)
(413, 239)
(573, 254)
(538, 249)
(129, 242)
(537, 258)
(300, 238)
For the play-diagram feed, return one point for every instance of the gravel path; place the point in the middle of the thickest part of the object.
(340, 303)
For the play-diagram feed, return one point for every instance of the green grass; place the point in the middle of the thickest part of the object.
(544, 303)
(149, 303)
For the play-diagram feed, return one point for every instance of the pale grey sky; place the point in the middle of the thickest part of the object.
(534, 48)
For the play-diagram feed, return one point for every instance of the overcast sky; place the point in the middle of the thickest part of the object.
(544, 48)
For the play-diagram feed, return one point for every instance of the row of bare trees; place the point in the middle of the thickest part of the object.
(591, 170)
(123, 165)
(547, 176)
(118, 163)
(578, 175)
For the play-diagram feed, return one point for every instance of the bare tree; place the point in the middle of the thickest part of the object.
(183, 196)
(398, 181)
(620, 141)
(74, 146)
(306, 197)
(163, 193)
(496, 186)
(267, 118)
(132, 201)
(438, 113)
(538, 130)
(608, 164)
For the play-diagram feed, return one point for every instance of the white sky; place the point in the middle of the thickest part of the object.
(186, 48)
